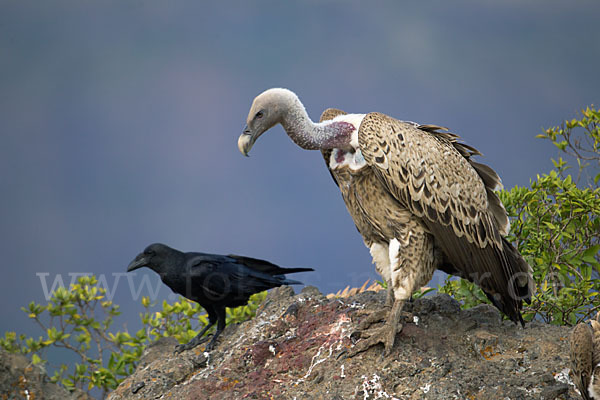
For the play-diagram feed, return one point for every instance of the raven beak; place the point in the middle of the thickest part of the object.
(246, 141)
(139, 262)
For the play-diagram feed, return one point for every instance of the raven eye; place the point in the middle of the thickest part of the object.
(150, 253)
(259, 115)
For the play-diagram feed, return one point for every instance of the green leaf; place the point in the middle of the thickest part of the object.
(590, 254)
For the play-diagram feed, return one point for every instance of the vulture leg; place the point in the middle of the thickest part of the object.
(412, 265)
(389, 299)
(378, 315)
(385, 335)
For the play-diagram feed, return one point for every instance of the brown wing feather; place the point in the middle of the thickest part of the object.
(426, 171)
(490, 178)
(328, 114)
(596, 340)
(431, 175)
(581, 357)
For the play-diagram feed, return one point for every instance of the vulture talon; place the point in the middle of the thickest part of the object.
(385, 335)
(373, 318)
(359, 334)
(342, 355)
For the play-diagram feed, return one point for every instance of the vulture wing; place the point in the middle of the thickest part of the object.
(581, 357)
(430, 173)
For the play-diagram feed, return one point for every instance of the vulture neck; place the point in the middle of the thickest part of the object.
(315, 136)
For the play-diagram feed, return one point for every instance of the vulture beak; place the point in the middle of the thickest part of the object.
(138, 262)
(246, 141)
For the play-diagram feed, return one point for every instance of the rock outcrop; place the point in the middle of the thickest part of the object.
(294, 349)
(20, 379)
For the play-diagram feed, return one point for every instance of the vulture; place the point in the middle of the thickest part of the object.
(416, 196)
(585, 358)
(212, 280)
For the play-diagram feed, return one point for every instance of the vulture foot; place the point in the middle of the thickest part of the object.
(385, 335)
(372, 318)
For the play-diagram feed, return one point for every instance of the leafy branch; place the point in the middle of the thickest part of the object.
(78, 320)
(556, 227)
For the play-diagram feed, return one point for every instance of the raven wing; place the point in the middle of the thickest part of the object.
(266, 266)
(222, 279)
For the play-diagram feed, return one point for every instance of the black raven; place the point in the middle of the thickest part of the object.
(214, 281)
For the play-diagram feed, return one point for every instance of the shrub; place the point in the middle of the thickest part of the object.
(556, 226)
(79, 319)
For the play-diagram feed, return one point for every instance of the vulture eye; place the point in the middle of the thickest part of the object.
(259, 115)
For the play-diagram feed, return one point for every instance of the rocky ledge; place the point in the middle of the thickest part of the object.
(290, 351)
(21, 379)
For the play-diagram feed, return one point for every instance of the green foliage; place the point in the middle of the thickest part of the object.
(176, 319)
(580, 139)
(78, 320)
(556, 227)
(382, 283)
(467, 293)
(422, 292)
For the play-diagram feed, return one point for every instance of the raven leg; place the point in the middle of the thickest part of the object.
(199, 339)
(220, 326)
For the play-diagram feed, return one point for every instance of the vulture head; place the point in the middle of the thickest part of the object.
(268, 109)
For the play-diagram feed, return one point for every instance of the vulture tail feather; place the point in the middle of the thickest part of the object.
(496, 208)
(523, 279)
(488, 175)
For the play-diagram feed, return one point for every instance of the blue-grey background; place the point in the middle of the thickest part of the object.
(119, 122)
